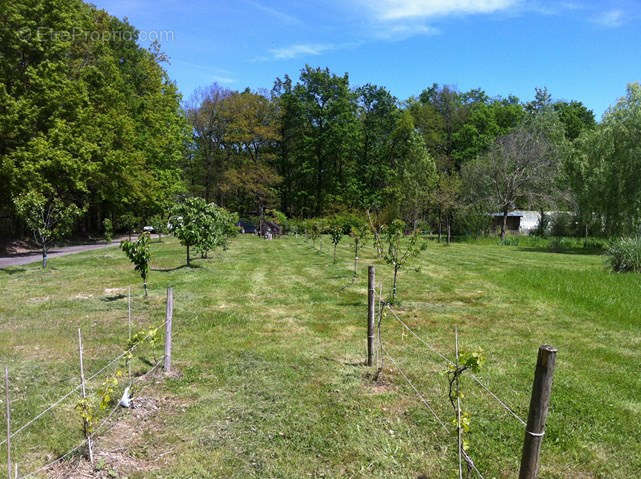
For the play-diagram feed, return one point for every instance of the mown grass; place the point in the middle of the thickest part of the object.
(270, 344)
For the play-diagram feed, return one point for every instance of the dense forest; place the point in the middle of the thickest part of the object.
(86, 115)
(93, 120)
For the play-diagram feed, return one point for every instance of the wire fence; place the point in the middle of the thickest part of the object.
(383, 307)
(101, 428)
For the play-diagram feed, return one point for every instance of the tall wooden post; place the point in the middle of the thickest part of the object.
(85, 424)
(371, 294)
(539, 404)
(8, 416)
(168, 320)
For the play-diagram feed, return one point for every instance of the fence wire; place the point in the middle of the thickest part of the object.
(474, 378)
(60, 400)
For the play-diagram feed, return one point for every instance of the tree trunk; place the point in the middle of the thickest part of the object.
(356, 258)
(261, 219)
(394, 284)
(449, 229)
(504, 224)
(440, 227)
(335, 253)
(542, 223)
(187, 255)
(144, 285)
(44, 257)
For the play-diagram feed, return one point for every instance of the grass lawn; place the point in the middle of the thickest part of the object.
(269, 344)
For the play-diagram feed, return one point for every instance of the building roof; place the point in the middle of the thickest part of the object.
(512, 213)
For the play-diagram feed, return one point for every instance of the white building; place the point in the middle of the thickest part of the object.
(521, 221)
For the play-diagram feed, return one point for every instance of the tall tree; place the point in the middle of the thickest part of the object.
(92, 119)
(329, 134)
(604, 169)
(518, 169)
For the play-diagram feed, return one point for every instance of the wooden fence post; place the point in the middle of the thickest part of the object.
(85, 424)
(371, 294)
(539, 404)
(168, 320)
(8, 412)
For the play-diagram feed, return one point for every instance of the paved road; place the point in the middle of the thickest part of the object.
(32, 257)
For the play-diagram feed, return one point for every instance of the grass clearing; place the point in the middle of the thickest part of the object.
(269, 342)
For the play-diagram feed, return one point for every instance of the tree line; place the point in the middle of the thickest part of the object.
(443, 158)
(92, 125)
(87, 116)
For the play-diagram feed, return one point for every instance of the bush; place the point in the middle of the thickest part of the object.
(625, 255)
(509, 241)
(562, 224)
(109, 230)
(597, 244)
(560, 244)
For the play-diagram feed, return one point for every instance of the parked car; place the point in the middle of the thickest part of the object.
(246, 227)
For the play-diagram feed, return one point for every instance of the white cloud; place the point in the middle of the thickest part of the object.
(402, 31)
(610, 19)
(405, 9)
(300, 49)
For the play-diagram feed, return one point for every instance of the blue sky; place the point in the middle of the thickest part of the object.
(580, 50)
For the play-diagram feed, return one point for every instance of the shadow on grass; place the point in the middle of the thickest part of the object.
(12, 270)
(577, 251)
(344, 363)
(182, 266)
(116, 297)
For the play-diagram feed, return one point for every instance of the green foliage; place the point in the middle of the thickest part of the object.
(91, 119)
(149, 338)
(399, 249)
(509, 241)
(467, 361)
(159, 223)
(202, 225)
(91, 407)
(603, 170)
(336, 228)
(139, 254)
(108, 228)
(278, 217)
(624, 255)
(128, 223)
(562, 224)
(472, 360)
(48, 218)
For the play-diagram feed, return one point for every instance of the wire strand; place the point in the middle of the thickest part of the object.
(418, 393)
(472, 376)
(99, 430)
(76, 388)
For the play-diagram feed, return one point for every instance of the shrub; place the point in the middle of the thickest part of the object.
(598, 244)
(562, 224)
(139, 254)
(509, 241)
(625, 255)
(203, 225)
(560, 244)
(109, 230)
